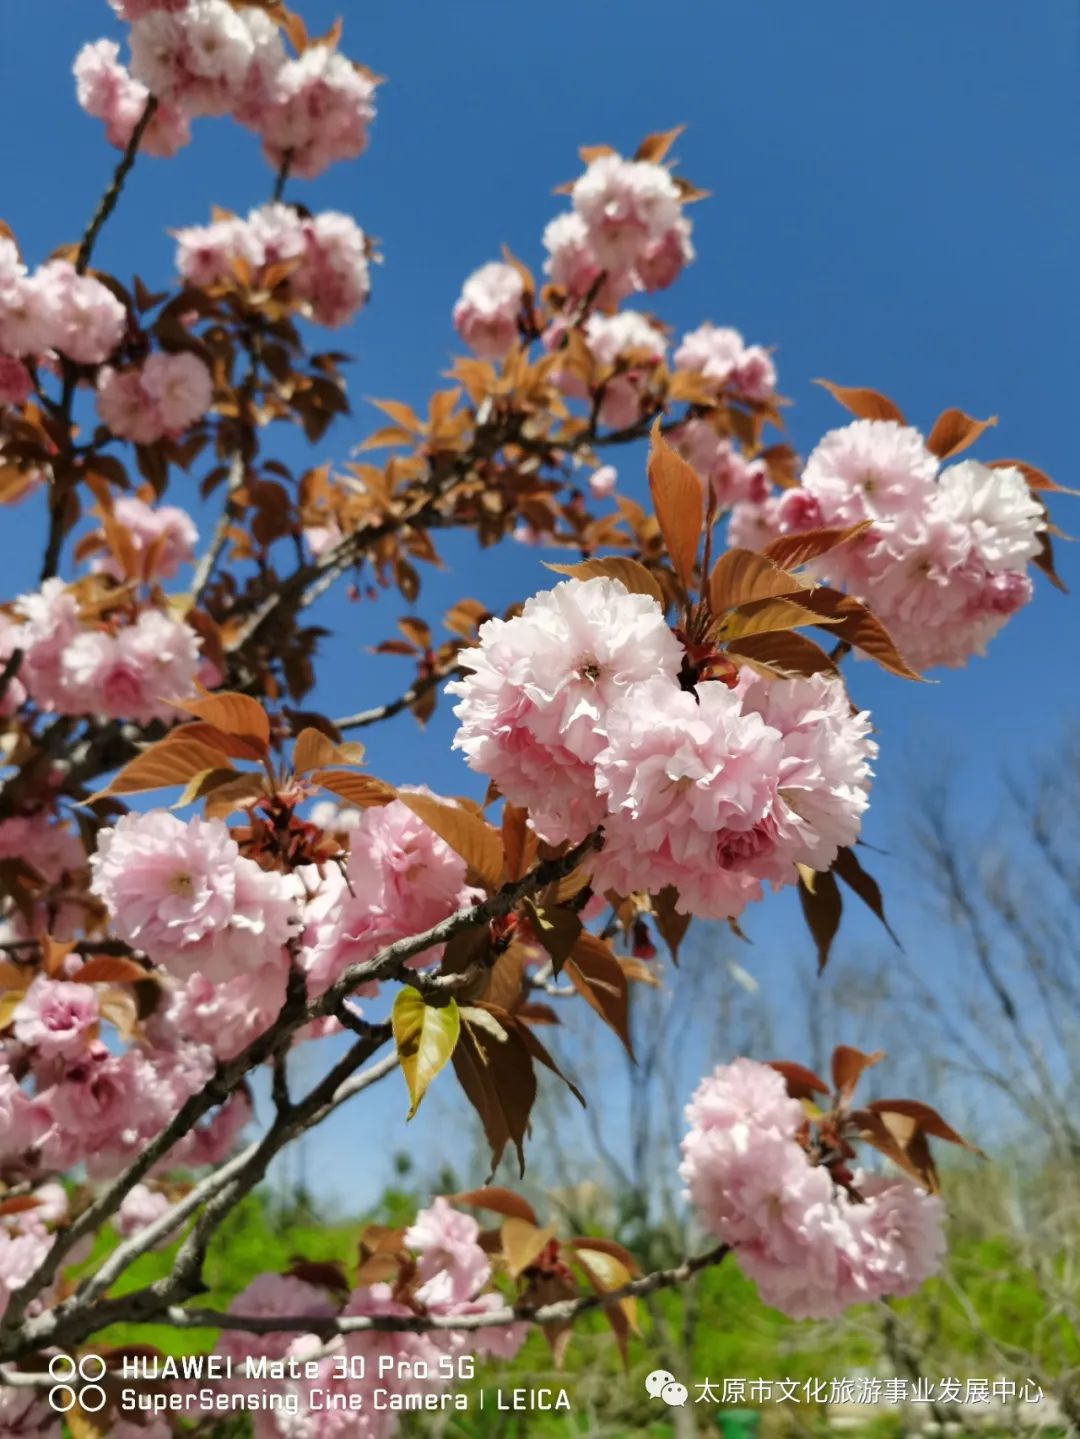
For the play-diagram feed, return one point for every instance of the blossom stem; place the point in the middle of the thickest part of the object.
(108, 201)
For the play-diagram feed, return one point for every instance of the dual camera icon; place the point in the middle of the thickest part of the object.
(76, 1383)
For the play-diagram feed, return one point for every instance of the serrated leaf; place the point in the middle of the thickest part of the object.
(926, 1117)
(479, 845)
(12, 977)
(233, 714)
(204, 783)
(802, 1083)
(606, 1271)
(742, 576)
(654, 147)
(9, 1003)
(314, 750)
(782, 651)
(519, 842)
(238, 793)
(171, 761)
(821, 907)
(669, 921)
(954, 431)
(866, 404)
(360, 790)
(523, 1243)
(629, 573)
(849, 619)
(847, 866)
(497, 1199)
(425, 1036)
(401, 414)
(597, 976)
(679, 502)
(848, 1067)
(495, 1069)
(109, 969)
(556, 929)
(768, 616)
(790, 550)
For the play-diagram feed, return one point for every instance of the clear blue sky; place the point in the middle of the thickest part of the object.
(895, 202)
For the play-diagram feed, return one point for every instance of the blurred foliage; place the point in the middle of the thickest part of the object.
(715, 1329)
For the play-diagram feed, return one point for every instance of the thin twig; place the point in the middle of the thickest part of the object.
(403, 702)
(107, 203)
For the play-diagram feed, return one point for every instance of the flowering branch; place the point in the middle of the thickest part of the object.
(387, 964)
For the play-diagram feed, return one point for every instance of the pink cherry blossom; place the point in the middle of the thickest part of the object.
(732, 476)
(163, 538)
(810, 1249)
(872, 469)
(229, 1015)
(943, 562)
(107, 92)
(603, 481)
(163, 397)
(316, 110)
(721, 354)
(573, 267)
(86, 319)
(486, 314)
(21, 1251)
(533, 709)
(196, 58)
(328, 254)
(139, 1208)
(132, 674)
(56, 1018)
(690, 784)
(628, 206)
(185, 895)
(824, 773)
(451, 1265)
(400, 879)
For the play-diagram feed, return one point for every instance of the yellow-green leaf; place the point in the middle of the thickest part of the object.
(425, 1036)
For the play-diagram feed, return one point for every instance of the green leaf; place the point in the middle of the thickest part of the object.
(425, 1037)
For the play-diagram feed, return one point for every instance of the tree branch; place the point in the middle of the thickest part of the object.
(403, 702)
(295, 1013)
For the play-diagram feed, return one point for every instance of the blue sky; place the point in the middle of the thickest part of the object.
(894, 202)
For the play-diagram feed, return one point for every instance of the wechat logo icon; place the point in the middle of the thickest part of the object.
(663, 1385)
(76, 1383)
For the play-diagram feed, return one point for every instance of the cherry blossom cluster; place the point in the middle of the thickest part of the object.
(944, 560)
(54, 310)
(209, 57)
(400, 879)
(452, 1277)
(626, 348)
(626, 231)
(162, 397)
(575, 710)
(68, 1097)
(161, 539)
(130, 667)
(486, 314)
(323, 257)
(811, 1245)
